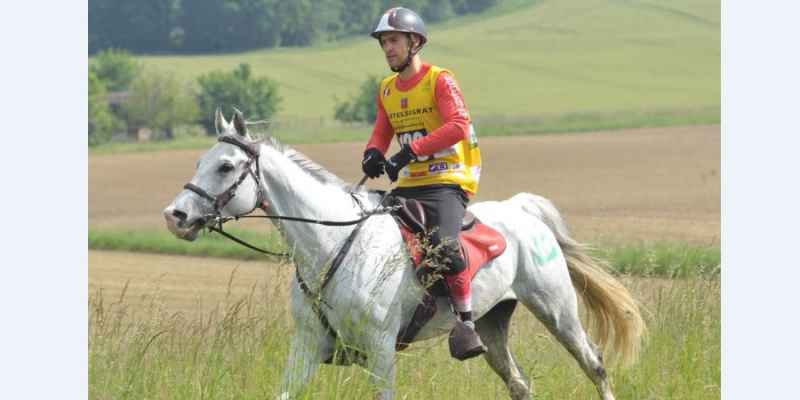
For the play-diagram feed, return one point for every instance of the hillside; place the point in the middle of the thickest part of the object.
(541, 59)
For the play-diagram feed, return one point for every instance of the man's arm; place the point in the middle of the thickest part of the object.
(382, 130)
(455, 118)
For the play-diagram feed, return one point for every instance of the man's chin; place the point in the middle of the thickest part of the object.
(394, 66)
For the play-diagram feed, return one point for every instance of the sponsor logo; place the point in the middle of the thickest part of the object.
(437, 167)
(455, 93)
(406, 113)
(476, 172)
(418, 174)
(404, 102)
(473, 137)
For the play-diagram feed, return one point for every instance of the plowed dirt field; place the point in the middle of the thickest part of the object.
(620, 186)
(612, 187)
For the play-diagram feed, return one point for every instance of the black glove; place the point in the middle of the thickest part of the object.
(373, 162)
(398, 161)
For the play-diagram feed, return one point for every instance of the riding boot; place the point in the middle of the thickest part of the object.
(464, 341)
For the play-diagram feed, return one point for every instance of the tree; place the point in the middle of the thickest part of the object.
(301, 23)
(257, 98)
(437, 11)
(359, 16)
(141, 26)
(117, 68)
(101, 121)
(160, 102)
(362, 106)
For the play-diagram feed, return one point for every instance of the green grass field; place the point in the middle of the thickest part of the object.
(531, 59)
(238, 349)
(648, 259)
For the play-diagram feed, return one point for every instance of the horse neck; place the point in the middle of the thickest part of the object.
(291, 191)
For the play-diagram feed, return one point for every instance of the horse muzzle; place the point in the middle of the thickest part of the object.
(178, 223)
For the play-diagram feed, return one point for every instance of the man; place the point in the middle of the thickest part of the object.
(439, 162)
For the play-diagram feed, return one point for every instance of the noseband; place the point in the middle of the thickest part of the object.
(221, 200)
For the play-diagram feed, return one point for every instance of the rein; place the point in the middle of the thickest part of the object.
(219, 201)
(217, 227)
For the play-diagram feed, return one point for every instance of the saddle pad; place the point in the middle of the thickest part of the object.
(479, 244)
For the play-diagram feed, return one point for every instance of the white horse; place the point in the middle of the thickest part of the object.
(375, 291)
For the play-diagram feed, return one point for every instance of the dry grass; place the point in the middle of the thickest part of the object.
(152, 340)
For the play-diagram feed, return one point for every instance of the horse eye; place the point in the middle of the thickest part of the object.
(225, 168)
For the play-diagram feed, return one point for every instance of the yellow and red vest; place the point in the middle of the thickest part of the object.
(413, 114)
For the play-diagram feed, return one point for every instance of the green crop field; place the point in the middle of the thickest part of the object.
(556, 61)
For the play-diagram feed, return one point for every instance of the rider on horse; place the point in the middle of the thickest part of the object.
(439, 162)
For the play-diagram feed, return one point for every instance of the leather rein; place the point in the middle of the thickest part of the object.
(221, 200)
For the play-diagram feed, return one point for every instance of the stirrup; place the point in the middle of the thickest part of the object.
(465, 342)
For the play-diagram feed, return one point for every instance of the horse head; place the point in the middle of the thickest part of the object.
(226, 182)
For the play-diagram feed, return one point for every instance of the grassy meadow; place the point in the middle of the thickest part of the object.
(237, 351)
(141, 347)
(545, 65)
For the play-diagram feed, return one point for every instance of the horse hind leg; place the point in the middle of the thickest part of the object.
(560, 316)
(493, 330)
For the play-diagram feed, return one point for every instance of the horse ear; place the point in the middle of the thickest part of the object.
(220, 124)
(238, 122)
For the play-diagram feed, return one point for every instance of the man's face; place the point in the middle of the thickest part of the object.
(395, 47)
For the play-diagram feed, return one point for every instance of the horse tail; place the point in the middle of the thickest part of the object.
(613, 313)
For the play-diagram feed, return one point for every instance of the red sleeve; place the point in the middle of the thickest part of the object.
(455, 118)
(382, 132)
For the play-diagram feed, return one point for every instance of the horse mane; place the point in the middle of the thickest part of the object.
(315, 170)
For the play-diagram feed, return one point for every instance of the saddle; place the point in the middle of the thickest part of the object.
(479, 244)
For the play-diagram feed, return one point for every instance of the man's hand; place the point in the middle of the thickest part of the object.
(373, 163)
(398, 161)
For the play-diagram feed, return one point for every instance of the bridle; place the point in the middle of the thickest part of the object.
(221, 200)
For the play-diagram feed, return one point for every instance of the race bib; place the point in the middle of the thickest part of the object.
(405, 139)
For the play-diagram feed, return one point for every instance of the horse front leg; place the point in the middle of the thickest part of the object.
(381, 366)
(309, 346)
(306, 351)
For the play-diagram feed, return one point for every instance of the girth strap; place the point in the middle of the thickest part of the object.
(316, 298)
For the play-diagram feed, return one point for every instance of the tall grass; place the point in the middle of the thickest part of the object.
(662, 259)
(237, 351)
